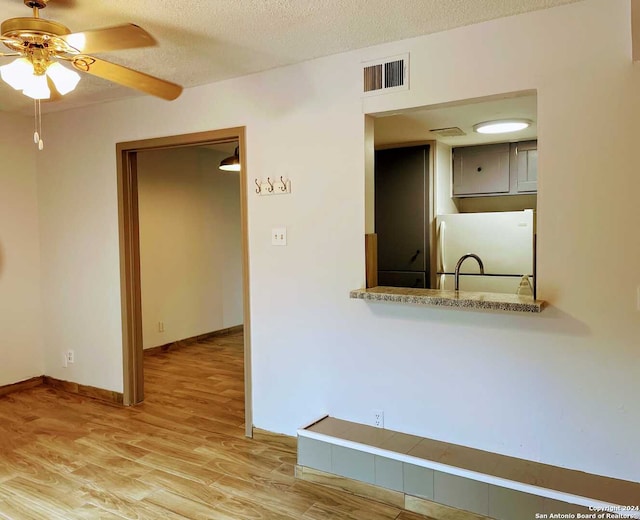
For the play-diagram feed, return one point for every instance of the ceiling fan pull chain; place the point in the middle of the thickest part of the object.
(40, 141)
(37, 134)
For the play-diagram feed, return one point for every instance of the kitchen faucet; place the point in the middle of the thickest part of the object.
(459, 265)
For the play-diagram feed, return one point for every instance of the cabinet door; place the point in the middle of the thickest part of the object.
(526, 154)
(401, 208)
(479, 170)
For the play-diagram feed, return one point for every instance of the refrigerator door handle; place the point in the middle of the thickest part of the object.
(443, 228)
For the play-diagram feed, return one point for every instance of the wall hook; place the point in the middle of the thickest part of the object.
(273, 186)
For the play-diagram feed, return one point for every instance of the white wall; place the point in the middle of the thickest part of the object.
(560, 387)
(444, 180)
(20, 310)
(190, 244)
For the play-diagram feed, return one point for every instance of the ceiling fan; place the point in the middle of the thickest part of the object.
(41, 46)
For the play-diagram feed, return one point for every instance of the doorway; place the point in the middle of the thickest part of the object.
(132, 323)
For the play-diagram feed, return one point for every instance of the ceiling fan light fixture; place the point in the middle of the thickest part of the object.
(231, 164)
(501, 126)
(76, 40)
(17, 74)
(37, 88)
(40, 43)
(63, 78)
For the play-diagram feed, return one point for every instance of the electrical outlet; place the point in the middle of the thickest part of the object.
(161, 326)
(378, 418)
(71, 356)
(64, 360)
(279, 236)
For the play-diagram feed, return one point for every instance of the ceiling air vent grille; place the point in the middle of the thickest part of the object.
(372, 78)
(386, 75)
(452, 131)
(394, 74)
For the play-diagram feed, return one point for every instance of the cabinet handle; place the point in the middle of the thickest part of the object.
(413, 258)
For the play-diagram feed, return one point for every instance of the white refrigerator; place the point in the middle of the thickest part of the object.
(504, 241)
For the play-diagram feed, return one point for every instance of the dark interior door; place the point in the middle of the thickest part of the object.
(401, 188)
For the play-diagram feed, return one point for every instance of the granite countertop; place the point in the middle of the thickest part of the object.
(463, 299)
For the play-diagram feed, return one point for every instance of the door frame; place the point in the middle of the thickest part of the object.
(129, 231)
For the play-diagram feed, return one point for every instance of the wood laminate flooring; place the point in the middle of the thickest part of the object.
(180, 454)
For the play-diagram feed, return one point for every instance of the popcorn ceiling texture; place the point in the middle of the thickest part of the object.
(203, 41)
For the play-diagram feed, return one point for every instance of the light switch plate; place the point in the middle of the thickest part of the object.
(279, 236)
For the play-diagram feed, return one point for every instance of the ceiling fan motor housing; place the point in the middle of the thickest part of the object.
(38, 4)
(35, 35)
(25, 27)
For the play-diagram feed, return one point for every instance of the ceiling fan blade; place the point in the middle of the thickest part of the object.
(126, 36)
(127, 77)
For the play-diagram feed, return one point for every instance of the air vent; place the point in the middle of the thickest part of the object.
(372, 78)
(453, 131)
(386, 75)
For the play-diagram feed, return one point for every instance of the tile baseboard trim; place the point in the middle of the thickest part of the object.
(151, 351)
(464, 473)
(431, 510)
(356, 487)
(21, 385)
(437, 511)
(108, 396)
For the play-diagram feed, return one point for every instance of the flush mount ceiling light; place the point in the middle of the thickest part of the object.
(502, 126)
(232, 163)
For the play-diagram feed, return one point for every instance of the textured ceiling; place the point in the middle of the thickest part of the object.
(203, 41)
